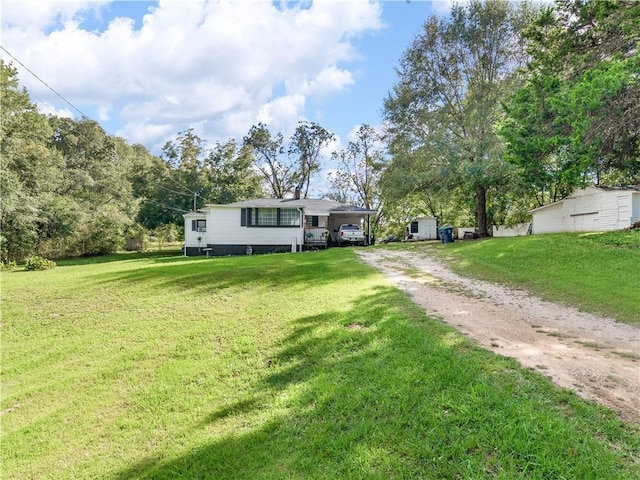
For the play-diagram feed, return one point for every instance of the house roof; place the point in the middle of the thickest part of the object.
(312, 206)
(589, 191)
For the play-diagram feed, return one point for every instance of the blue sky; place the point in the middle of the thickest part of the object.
(148, 70)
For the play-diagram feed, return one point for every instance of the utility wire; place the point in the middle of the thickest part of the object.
(165, 206)
(168, 189)
(45, 83)
(182, 186)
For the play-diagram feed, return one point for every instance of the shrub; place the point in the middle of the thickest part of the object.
(10, 265)
(35, 262)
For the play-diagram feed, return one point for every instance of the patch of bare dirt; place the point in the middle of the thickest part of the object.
(596, 357)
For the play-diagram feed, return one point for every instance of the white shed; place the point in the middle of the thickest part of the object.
(423, 228)
(591, 209)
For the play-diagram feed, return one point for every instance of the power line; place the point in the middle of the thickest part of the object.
(168, 189)
(45, 83)
(180, 210)
(183, 186)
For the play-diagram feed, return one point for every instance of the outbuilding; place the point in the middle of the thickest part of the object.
(591, 209)
(423, 228)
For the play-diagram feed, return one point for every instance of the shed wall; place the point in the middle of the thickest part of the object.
(520, 230)
(635, 208)
(591, 211)
(548, 220)
(427, 228)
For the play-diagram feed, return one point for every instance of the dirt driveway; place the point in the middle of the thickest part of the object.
(594, 356)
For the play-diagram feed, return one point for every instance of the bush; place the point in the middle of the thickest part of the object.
(10, 265)
(36, 262)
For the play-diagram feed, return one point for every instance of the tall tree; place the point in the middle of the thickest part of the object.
(442, 110)
(307, 143)
(230, 173)
(31, 169)
(95, 187)
(577, 120)
(269, 158)
(360, 166)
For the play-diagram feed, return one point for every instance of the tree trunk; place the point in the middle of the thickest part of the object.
(481, 210)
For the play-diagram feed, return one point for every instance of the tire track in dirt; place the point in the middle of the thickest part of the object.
(596, 357)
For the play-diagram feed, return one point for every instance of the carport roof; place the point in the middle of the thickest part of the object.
(311, 206)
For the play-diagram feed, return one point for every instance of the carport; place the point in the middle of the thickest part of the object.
(351, 215)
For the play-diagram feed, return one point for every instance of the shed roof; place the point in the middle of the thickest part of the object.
(589, 191)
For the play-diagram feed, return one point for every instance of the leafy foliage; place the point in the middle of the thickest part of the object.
(8, 266)
(576, 120)
(451, 82)
(276, 170)
(36, 262)
(307, 143)
(360, 166)
(69, 188)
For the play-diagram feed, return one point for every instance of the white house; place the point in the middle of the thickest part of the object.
(267, 225)
(592, 209)
(423, 228)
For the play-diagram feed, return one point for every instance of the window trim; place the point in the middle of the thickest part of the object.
(195, 225)
(249, 218)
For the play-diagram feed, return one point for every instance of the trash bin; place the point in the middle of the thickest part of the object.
(446, 234)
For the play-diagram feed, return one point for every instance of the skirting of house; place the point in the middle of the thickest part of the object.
(226, 250)
(194, 251)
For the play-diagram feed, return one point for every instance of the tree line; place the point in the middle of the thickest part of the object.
(70, 189)
(498, 108)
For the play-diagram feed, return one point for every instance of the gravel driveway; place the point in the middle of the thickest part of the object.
(596, 357)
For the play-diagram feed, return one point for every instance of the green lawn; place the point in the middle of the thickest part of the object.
(598, 273)
(289, 366)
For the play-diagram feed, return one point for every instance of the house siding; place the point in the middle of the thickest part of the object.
(230, 238)
(589, 210)
(635, 207)
(228, 233)
(191, 243)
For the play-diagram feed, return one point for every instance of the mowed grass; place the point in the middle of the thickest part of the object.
(289, 366)
(596, 272)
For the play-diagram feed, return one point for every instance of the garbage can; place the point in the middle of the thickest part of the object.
(446, 234)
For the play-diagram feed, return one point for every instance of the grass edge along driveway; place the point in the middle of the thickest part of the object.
(595, 272)
(276, 366)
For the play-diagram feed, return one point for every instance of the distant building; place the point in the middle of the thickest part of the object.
(591, 209)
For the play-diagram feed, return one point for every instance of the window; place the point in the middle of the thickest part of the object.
(414, 227)
(266, 217)
(199, 225)
(312, 220)
(290, 217)
(269, 217)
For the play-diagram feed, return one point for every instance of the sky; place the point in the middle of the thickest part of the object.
(146, 71)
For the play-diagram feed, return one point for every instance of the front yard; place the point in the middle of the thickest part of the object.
(277, 366)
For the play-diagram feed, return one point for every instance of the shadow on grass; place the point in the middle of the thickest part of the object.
(156, 256)
(382, 392)
(197, 275)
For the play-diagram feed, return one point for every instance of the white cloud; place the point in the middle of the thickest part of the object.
(214, 63)
(48, 109)
(37, 15)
